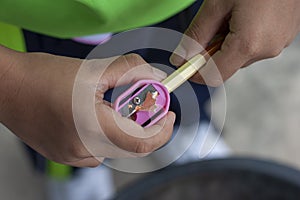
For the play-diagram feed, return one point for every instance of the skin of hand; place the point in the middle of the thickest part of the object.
(36, 105)
(256, 30)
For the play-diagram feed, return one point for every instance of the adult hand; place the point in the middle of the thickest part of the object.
(257, 30)
(36, 105)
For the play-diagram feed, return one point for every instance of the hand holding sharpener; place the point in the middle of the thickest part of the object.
(147, 101)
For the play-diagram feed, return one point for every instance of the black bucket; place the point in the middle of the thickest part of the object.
(219, 179)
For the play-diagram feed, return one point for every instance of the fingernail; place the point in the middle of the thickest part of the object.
(159, 74)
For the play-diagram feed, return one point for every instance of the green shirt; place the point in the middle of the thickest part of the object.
(71, 18)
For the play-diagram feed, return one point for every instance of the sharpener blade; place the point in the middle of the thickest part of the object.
(146, 102)
(136, 101)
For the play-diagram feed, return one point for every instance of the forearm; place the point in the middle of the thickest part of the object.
(10, 78)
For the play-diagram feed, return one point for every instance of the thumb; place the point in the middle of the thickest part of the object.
(203, 28)
(129, 69)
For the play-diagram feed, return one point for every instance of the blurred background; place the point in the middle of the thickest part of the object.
(263, 120)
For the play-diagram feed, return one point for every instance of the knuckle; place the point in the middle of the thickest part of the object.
(274, 47)
(274, 52)
(70, 155)
(77, 151)
(143, 147)
(194, 32)
(134, 59)
(251, 46)
(214, 83)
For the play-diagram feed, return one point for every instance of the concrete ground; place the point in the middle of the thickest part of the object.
(263, 104)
